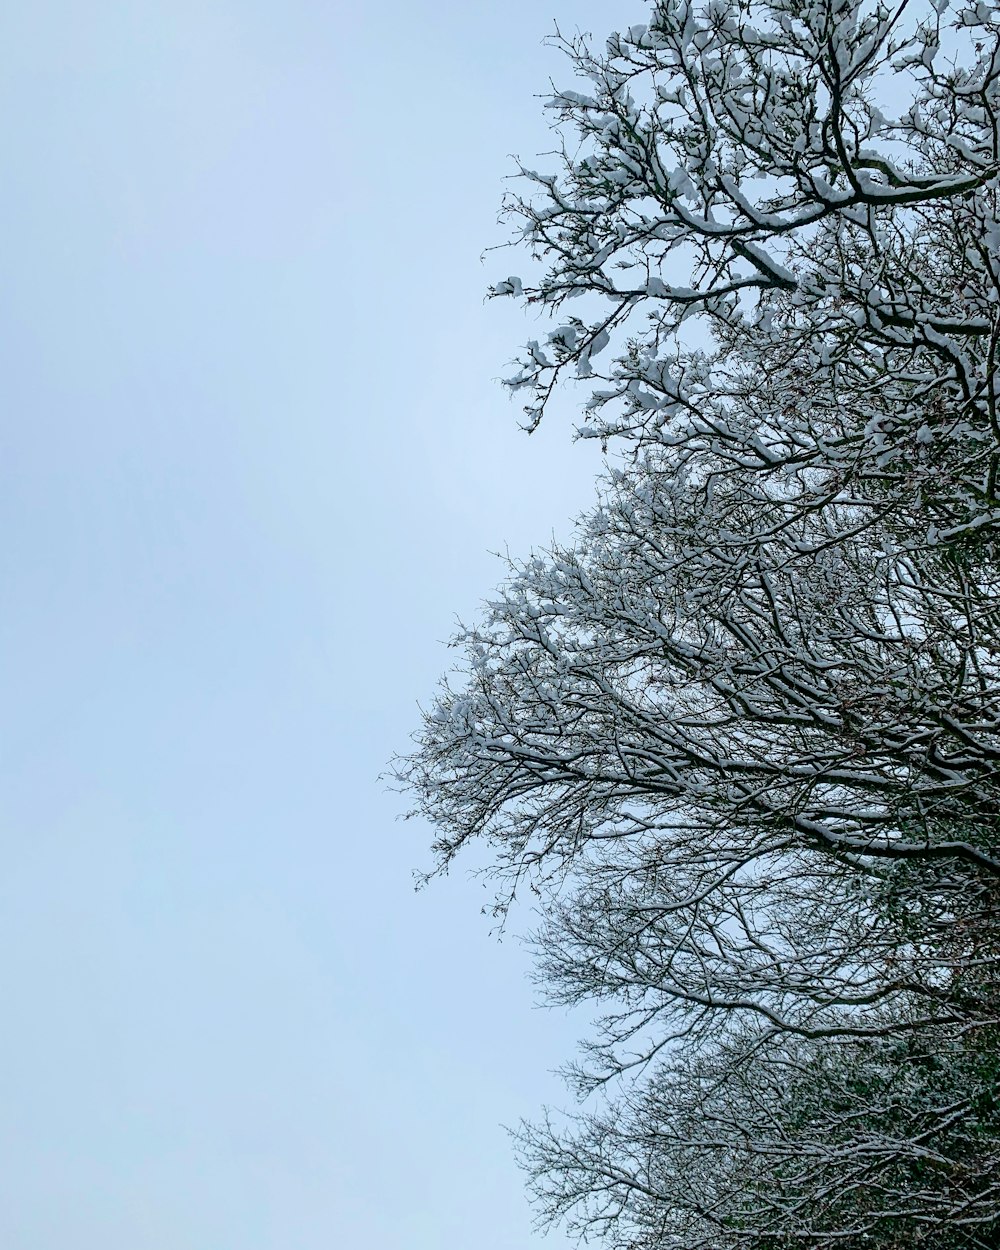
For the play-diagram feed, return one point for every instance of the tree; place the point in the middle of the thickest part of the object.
(742, 739)
(784, 1143)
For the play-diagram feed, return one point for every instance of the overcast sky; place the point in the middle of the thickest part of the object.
(254, 461)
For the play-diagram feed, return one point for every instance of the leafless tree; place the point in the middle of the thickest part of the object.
(741, 738)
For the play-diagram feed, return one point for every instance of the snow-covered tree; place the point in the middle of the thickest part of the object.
(742, 738)
(789, 1143)
(762, 168)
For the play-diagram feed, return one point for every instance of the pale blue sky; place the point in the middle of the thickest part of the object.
(253, 461)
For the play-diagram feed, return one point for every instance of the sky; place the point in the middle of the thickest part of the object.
(254, 462)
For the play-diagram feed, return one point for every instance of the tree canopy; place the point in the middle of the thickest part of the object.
(741, 737)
